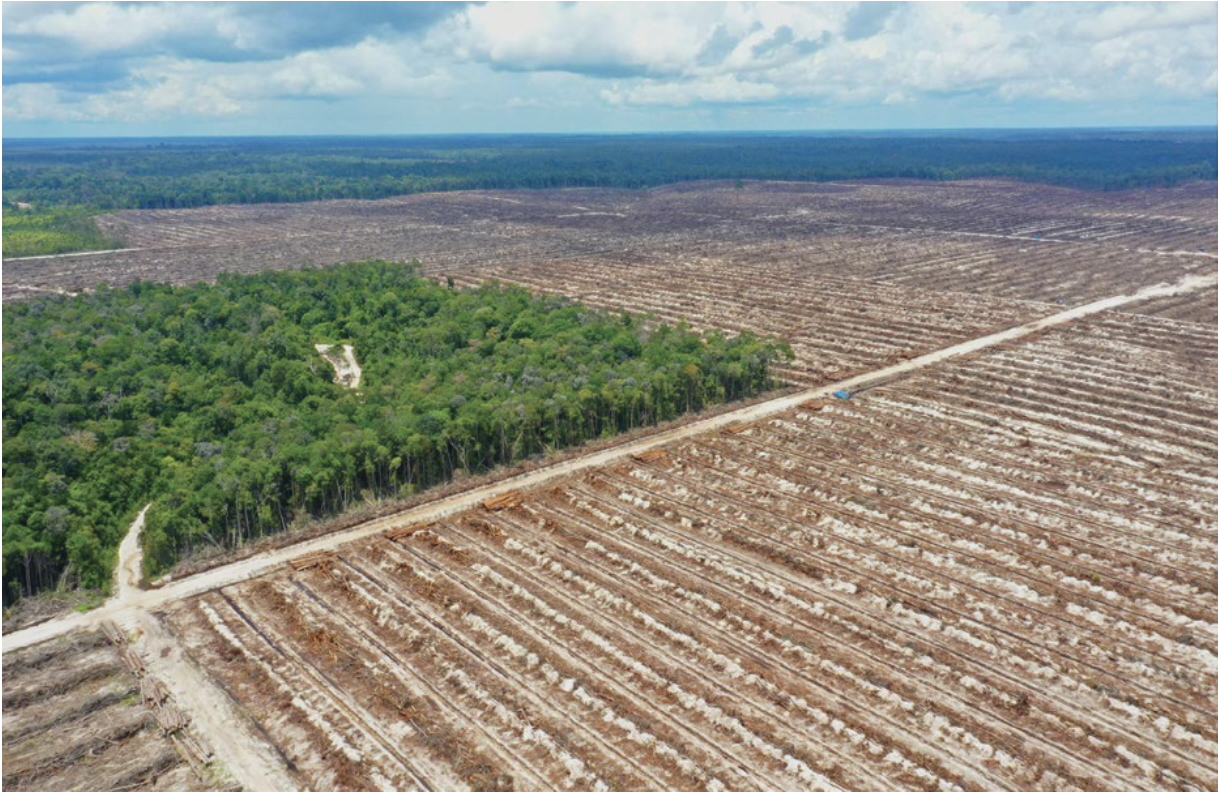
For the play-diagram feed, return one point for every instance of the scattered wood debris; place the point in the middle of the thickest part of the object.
(307, 561)
(153, 691)
(405, 531)
(133, 661)
(503, 501)
(171, 718)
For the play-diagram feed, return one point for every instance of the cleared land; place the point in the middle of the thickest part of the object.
(997, 571)
(976, 237)
(853, 275)
(77, 718)
(1010, 587)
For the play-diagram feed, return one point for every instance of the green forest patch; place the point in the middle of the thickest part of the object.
(30, 232)
(211, 402)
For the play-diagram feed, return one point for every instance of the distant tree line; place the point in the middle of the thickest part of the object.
(211, 402)
(117, 174)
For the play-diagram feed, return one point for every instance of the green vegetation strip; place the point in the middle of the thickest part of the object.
(56, 231)
(211, 401)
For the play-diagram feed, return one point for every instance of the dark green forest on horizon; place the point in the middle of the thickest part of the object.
(56, 182)
(185, 172)
(210, 401)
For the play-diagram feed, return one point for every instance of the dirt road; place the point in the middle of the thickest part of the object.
(131, 560)
(246, 757)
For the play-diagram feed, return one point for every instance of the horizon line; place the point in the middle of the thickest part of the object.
(640, 133)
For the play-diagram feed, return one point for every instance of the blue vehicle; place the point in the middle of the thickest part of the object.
(842, 395)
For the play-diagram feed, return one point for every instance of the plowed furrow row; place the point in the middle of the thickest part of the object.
(1080, 522)
(1006, 641)
(1098, 415)
(464, 704)
(703, 645)
(320, 706)
(587, 754)
(1009, 458)
(829, 677)
(958, 530)
(685, 720)
(865, 626)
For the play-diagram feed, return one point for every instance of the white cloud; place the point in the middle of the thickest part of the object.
(729, 53)
(107, 27)
(656, 38)
(138, 61)
(370, 67)
(38, 102)
(720, 89)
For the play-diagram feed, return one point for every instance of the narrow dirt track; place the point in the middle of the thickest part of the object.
(131, 559)
(253, 566)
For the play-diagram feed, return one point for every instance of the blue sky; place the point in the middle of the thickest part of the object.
(214, 68)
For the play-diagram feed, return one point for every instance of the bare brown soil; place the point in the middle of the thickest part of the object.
(999, 572)
(75, 720)
(972, 237)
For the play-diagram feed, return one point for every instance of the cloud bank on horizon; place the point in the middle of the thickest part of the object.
(103, 68)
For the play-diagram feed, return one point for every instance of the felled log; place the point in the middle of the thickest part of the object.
(306, 561)
(503, 501)
(406, 530)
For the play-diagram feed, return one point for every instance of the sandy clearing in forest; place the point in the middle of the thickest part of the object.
(253, 566)
(347, 371)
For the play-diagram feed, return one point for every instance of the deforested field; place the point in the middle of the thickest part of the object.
(1000, 572)
(997, 571)
(1006, 240)
(76, 718)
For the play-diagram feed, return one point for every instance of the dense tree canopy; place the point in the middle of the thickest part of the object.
(105, 174)
(211, 401)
